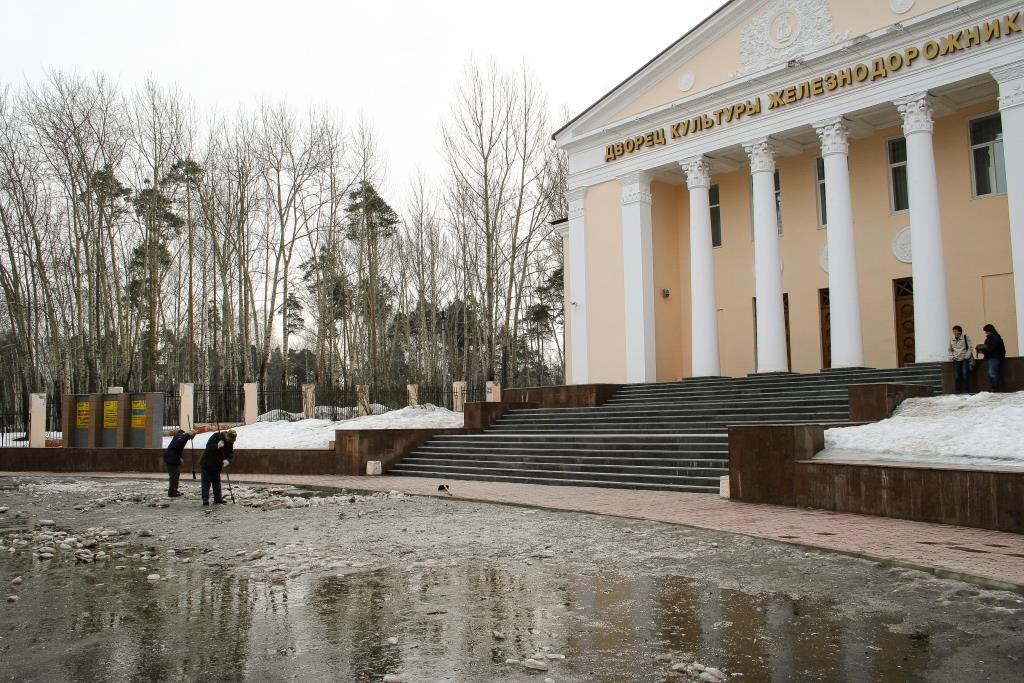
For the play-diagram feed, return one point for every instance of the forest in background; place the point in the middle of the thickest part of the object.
(147, 244)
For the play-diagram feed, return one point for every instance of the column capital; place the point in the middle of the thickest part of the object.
(575, 199)
(1011, 85)
(917, 112)
(636, 187)
(762, 155)
(833, 135)
(698, 172)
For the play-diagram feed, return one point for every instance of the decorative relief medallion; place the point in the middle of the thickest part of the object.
(823, 258)
(686, 81)
(785, 30)
(901, 248)
(901, 6)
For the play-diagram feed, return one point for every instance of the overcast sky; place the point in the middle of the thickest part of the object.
(394, 61)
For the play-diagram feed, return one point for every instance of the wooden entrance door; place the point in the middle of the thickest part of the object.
(826, 328)
(903, 304)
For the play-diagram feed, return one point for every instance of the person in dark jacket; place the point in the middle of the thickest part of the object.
(172, 458)
(217, 455)
(995, 351)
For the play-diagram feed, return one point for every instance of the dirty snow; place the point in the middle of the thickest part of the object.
(318, 434)
(980, 429)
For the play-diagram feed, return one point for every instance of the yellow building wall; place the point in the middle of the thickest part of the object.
(976, 240)
(712, 65)
(605, 296)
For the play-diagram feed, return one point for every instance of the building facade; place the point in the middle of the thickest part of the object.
(797, 185)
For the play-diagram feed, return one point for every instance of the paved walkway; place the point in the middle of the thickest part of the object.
(991, 558)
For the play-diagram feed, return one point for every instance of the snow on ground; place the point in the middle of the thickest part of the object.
(978, 429)
(319, 433)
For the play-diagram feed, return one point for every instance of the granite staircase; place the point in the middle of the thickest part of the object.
(668, 436)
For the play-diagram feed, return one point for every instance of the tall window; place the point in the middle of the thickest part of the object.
(898, 174)
(822, 211)
(716, 216)
(987, 156)
(778, 204)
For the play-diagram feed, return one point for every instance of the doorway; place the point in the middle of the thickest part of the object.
(903, 305)
(826, 328)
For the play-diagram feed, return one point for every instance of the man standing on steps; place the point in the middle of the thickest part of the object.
(217, 455)
(172, 458)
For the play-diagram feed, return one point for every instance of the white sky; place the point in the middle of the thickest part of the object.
(396, 61)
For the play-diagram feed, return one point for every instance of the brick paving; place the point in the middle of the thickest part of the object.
(991, 558)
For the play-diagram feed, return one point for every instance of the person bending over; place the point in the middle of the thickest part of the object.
(217, 455)
(172, 458)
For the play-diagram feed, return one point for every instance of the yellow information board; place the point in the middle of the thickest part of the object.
(110, 414)
(138, 414)
(82, 415)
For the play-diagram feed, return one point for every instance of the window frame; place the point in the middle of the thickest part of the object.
(889, 166)
(711, 211)
(970, 153)
(819, 193)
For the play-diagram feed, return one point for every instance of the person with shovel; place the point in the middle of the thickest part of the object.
(172, 458)
(217, 455)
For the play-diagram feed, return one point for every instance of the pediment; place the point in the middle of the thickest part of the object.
(742, 38)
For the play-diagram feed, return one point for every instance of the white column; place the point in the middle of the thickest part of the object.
(579, 354)
(703, 309)
(638, 275)
(931, 307)
(843, 287)
(771, 317)
(1011, 110)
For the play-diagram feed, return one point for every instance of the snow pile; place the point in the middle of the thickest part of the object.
(317, 434)
(980, 429)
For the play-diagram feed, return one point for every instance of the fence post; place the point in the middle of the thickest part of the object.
(362, 400)
(414, 394)
(309, 401)
(36, 420)
(493, 392)
(187, 406)
(251, 410)
(459, 396)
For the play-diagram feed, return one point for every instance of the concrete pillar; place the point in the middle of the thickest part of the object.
(638, 274)
(413, 391)
(186, 406)
(931, 307)
(703, 308)
(459, 397)
(579, 353)
(493, 392)
(362, 399)
(37, 420)
(771, 317)
(309, 401)
(1011, 110)
(250, 392)
(844, 312)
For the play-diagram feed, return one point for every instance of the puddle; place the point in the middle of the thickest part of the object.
(103, 624)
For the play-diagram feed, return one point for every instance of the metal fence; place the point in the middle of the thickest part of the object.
(13, 429)
(218, 404)
(279, 404)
